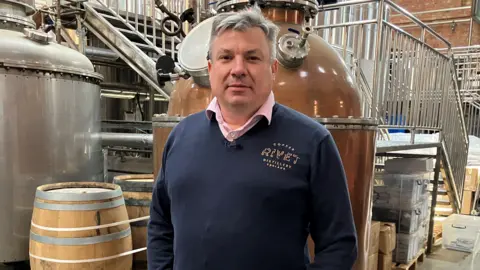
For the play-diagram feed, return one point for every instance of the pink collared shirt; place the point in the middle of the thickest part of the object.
(230, 134)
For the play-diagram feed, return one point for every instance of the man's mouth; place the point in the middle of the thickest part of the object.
(238, 85)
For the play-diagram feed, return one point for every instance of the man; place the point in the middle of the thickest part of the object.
(243, 183)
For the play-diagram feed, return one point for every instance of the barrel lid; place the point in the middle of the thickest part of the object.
(78, 191)
(135, 182)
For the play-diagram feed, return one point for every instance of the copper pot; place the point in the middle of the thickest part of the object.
(320, 87)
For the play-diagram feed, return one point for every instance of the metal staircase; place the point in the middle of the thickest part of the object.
(134, 35)
(412, 87)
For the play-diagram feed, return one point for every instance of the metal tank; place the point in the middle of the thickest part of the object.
(50, 104)
(312, 79)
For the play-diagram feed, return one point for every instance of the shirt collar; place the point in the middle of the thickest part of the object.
(265, 110)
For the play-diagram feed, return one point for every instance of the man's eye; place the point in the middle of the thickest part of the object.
(253, 58)
(225, 57)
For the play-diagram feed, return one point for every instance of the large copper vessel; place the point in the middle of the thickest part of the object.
(320, 87)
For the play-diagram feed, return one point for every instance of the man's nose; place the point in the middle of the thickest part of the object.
(238, 68)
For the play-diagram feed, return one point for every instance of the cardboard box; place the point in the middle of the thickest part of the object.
(374, 237)
(385, 261)
(467, 202)
(471, 179)
(372, 263)
(388, 238)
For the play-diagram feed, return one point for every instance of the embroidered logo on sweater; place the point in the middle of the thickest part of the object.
(280, 156)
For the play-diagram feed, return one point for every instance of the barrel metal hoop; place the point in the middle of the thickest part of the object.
(79, 207)
(130, 186)
(142, 223)
(137, 202)
(79, 241)
(69, 197)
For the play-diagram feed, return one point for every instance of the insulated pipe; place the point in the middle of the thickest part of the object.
(126, 139)
(95, 52)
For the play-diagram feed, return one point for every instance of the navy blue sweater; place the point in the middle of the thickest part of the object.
(250, 205)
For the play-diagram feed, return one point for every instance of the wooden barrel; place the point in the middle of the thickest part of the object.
(73, 206)
(162, 126)
(137, 191)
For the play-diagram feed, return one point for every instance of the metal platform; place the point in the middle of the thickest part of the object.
(394, 146)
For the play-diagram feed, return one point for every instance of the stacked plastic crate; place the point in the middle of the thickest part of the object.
(401, 197)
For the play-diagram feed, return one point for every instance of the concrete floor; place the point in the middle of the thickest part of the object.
(440, 259)
(444, 259)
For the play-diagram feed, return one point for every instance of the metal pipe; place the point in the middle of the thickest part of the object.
(104, 54)
(470, 32)
(457, 96)
(344, 4)
(435, 23)
(456, 49)
(58, 25)
(151, 104)
(122, 86)
(434, 199)
(330, 26)
(126, 139)
(105, 165)
(473, 8)
(115, 149)
(436, 10)
(378, 51)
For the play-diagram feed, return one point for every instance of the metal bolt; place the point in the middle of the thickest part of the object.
(289, 44)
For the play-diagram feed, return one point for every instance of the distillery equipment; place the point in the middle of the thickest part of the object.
(50, 104)
(312, 79)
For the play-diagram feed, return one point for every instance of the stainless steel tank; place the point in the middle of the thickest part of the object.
(49, 107)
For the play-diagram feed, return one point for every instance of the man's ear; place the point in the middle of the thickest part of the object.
(274, 68)
(209, 65)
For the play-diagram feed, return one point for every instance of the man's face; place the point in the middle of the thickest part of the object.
(241, 73)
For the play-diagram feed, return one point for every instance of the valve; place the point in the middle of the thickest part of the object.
(293, 47)
(188, 15)
(168, 71)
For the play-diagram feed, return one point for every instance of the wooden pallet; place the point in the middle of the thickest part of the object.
(437, 233)
(412, 265)
(437, 238)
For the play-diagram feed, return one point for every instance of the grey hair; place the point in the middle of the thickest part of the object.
(241, 21)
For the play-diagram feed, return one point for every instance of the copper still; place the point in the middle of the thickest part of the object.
(318, 85)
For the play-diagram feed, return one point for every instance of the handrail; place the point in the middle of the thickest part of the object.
(411, 36)
(450, 176)
(458, 98)
(411, 80)
(416, 20)
(346, 4)
(143, 37)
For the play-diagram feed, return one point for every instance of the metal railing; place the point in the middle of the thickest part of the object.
(405, 84)
(467, 65)
(143, 18)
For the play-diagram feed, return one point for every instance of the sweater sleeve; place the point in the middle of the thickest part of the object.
(160, 228)
(331, 223)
